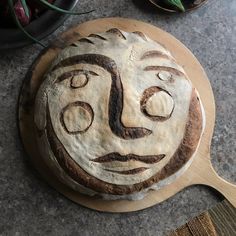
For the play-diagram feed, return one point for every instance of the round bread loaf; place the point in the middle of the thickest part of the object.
(116, 116)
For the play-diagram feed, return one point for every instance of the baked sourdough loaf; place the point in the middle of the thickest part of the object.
(116, 116)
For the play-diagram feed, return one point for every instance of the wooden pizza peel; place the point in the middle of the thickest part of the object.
(199, 172)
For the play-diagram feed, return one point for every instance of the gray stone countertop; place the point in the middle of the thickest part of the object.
(28, 206)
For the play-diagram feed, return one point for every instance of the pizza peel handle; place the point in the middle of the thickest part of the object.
(204, 173)
(224, 187)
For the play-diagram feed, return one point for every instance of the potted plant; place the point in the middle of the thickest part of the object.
(177, 5)
(25, 21)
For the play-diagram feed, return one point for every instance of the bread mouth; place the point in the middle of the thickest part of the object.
(129, 172)
(129, 164)
(115, 156)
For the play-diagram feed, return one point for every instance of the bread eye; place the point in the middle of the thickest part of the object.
(79, 81)
(77, 117)
(77, 78)
(157, 104)
(164, 76)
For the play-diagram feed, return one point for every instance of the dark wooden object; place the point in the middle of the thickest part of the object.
(220, 221)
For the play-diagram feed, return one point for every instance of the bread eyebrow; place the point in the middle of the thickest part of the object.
(155, 53)
(73, 73)
(164, 68)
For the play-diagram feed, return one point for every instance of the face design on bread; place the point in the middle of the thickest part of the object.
(116, 110)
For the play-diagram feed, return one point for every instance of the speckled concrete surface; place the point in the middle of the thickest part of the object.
(28, 206)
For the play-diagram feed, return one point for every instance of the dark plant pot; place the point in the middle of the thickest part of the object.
(39, 28)
(188, 5)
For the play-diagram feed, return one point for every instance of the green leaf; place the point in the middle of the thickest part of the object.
(26, 9)
(176, 3)
(11, 6)
(55, 8)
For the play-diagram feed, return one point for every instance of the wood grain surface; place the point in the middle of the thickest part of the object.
(199, 226)
(223, 216)
(219, 220)
(200, 171)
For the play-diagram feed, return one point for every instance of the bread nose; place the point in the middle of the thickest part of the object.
(116, 93)
(116, 109)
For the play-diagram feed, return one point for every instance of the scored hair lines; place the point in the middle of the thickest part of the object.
(113, 31)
